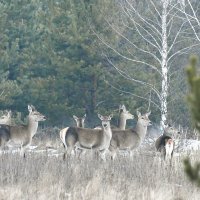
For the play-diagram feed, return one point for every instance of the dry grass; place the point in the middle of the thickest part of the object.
(46, 176)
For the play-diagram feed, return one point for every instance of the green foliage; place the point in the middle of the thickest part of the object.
(194, 102)
(193, 172)
(8, 90)
(52, 55)
(194, 93)
(51, 58)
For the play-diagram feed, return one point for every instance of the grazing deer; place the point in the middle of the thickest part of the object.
(6, 118)
(130, 139)
(90, 138)
(21, 135)
(80, 122)
(124, 115)
(165, 143)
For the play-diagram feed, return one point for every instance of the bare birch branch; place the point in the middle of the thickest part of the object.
(127, 76)
(123, 56)
(142, 50)
(142, 19)
(129, 93)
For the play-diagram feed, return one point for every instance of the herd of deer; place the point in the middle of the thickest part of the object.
(102, 139)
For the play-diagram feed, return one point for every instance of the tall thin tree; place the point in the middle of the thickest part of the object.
(152, 36)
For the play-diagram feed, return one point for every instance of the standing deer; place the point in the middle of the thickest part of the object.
(90, 138)
(124, 115)
(130, 139)
(21, 135)
(165, 143)
(6, 118)
(80, 122)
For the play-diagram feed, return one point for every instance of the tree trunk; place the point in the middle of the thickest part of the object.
(90, 108)
(93, 93)
(164, 68)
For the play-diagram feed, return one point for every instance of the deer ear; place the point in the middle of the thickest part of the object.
(148, 113)
(123, 107)
(111, 116)
(138, 114)
(30, 108)
(84, 116)
(100, 116)
(75, 117)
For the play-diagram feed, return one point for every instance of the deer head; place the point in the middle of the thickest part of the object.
(35, 115)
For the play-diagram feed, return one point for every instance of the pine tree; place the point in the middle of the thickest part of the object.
(9, 88)
(193, 172)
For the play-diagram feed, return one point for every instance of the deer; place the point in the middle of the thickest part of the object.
(21, 135)
(165, 143)
(130, 139)
(124, 115)
(80, 122)
(98, 139)
(5, 119)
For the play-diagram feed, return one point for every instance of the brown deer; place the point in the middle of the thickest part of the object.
(21, 135)
(98, 139)
(130, 139)
(124, 115)
(6, 118)
(165, 143)
(80, 122)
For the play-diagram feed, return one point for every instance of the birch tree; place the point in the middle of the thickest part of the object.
(161, 39)
(191, 11)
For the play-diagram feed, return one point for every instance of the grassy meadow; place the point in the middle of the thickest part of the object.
(45, 175)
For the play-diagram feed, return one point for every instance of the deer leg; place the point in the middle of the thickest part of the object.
(112, 152)
(130, 153)
(4, 139)
(65, 146)
(2, 144)
(82, 152)
(22, 152)
(171, 156)
(103, 154)
(113, 155)
(24, 146)
(163, 154)
(70, 142)
(67, 152)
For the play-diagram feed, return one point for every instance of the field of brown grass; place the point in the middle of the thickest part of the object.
(45, 175)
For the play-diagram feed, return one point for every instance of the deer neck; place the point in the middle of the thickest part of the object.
(107, 131)
(122, 122)
(80, 124)
(141, 130)
(32, 126)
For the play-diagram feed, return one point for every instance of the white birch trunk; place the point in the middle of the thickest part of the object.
(164, 68)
